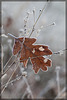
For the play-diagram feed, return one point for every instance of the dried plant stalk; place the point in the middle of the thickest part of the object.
(37, 19)
(10, 78)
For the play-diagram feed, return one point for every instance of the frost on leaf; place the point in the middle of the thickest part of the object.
(34, 52)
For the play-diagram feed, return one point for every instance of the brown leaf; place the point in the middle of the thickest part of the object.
(34, 52)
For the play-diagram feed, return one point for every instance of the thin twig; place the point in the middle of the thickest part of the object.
(10, 78)
(25, 23)
(28, 86)
(59, 52)
(8, 62)
(37, 20)
(7, 69)
(16, 79)
(24, 94)
(43, 27)
(12, 36)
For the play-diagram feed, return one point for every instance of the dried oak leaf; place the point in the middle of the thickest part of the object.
(34, 52)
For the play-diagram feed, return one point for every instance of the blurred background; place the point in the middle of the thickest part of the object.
(43, 84)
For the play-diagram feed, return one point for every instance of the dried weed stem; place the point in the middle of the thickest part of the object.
(37, 20)
(10, 78)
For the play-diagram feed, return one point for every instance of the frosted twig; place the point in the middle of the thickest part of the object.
(9, 66)
(42, 27)
(38, 30)
(24, 94)
(8, 62)
(24, 78)
(28, 86)
(37, 20)
(10, 78)
(60, 52)
(12, 81)
(25, 22)
(7, 69)
(49, 25)
(12, 36)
